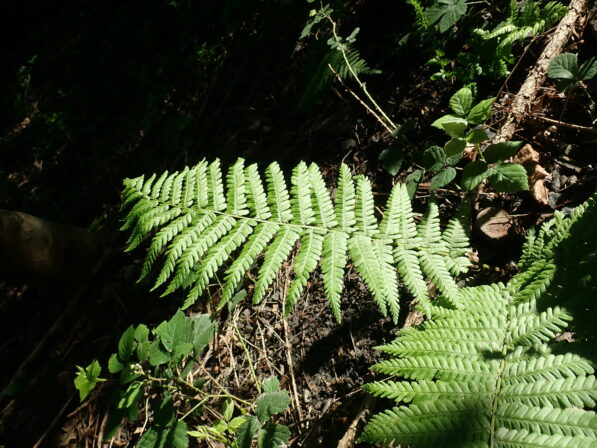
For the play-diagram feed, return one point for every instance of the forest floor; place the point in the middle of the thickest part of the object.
(321, 363)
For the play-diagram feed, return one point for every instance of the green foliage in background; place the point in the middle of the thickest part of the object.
(158, 360)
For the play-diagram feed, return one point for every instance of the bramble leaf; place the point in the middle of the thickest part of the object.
(508, 177)
(473, 174)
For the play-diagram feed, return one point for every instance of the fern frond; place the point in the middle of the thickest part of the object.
(489, 374)
(202, 228)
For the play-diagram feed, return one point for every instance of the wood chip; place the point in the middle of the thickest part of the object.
(493, 222)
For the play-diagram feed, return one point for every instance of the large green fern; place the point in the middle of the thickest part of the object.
(489, 374)
(201, 226)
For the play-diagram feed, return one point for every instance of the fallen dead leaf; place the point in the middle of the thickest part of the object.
(529, 159)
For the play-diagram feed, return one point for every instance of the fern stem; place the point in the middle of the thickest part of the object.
(364, 104)
(358, 80)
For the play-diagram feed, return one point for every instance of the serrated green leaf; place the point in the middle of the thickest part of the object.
(271, 403)
(143, 351)
(444, 177)
(204, 328)
(181, 350)
(235, 423)
(141, 333)
(453, 126)
(439, 123)
(446, 13)
(125, 344)
(157, 354)
(177, 436)
(477, 135)
(392, 159)
(453, 150)
(508, 177)
(462, 101)
(481, 111)
(114, 365)
(473, 174)
(412, 182)
(271, 384)
(273, 435)
(433, 158)
(87, 378)
(246, 431)
(176, 331)
(563, 66)
(498, 152)
(228, 409)
(152, 439)
(131, 396)
(588, 69)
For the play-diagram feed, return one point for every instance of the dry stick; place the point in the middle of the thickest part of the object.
(361, 84)
(288, 347)
(365, 105)
(577, 11)
(566, 125)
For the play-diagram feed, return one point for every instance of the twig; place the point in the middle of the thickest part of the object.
(389, 124)
(566, 125)
(365, 105)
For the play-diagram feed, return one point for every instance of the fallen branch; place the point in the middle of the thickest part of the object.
(577, 13)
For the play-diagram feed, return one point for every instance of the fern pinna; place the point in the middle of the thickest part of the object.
(201, 227)
(489, 374)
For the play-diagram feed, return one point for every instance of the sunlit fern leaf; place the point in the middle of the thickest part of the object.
(255, 245)
(383, 253)
(345, 200)
(490, 374)
(322, 203)
(300, 194)
(333, 262)
(201, 227)
(304, 264)
(364, 259)
(278, 251)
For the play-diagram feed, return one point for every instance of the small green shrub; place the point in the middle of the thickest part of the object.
(503, 177)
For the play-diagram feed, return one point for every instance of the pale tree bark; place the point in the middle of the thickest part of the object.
(572, 22)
